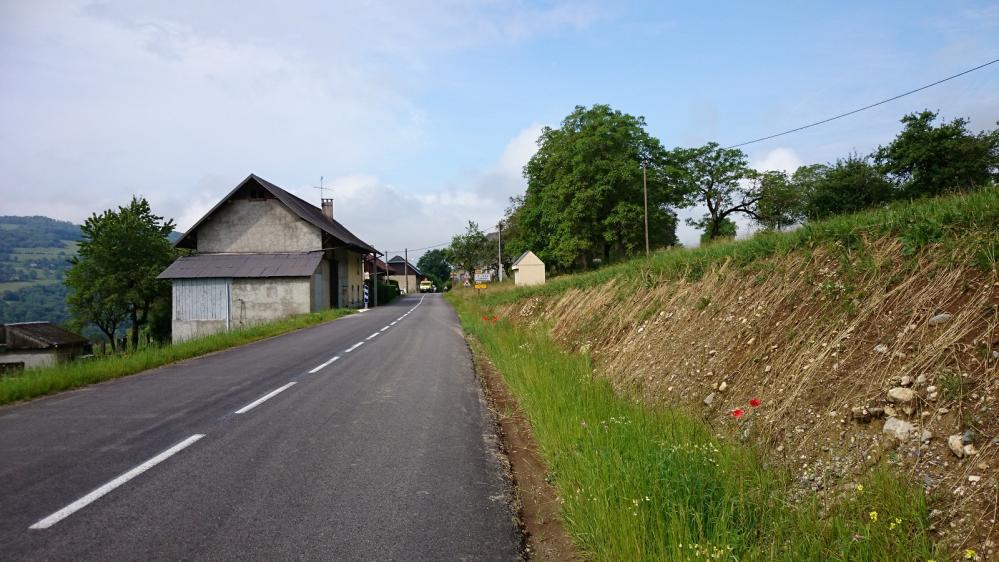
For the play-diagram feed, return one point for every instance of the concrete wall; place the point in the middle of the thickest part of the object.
(351, 278)
(321, 287)
(245, 225)
(529, 275)
(254, 301)
(267, 299)
(39, 358)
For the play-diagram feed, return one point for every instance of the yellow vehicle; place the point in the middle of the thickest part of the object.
(426, 286)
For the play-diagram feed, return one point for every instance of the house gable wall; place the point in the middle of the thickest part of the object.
(257, 225)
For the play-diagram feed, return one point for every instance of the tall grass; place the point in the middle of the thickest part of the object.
(48, 380)
(661, 485)
(971, 218)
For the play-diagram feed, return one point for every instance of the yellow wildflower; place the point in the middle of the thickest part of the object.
(874, 516)
(860, 488)
(970, 554)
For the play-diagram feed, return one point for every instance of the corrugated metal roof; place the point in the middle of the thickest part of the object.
(305, 210)
(39, 335)
(301, 264)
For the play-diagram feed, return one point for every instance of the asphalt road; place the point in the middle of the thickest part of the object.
(385, 453)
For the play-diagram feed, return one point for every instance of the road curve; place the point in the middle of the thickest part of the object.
(271, 451)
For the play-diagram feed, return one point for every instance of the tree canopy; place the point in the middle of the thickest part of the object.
(927, 159)
(434, 264)
(584, 196)
(470, 250)
(716, 178)
(113, 279)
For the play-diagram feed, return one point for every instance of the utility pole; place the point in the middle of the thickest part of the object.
(405, 268)
(645, 193)
(499, 249)
(374, 272)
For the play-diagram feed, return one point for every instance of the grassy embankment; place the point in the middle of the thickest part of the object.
(48, 380)
(637, 483)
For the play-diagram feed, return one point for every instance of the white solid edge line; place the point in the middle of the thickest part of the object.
(93, 496)
(353, 347)
(264, 398)
(324, 365)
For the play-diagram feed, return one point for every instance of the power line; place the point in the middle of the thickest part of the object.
(419, 249)
(893, 98)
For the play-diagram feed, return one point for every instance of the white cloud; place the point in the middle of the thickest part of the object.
(778, 159)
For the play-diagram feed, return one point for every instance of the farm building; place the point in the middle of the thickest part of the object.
(263, 254)
(38, 344)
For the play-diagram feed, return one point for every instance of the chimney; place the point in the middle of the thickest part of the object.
(328, 207)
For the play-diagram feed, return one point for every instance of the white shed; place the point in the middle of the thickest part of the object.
(528, 269)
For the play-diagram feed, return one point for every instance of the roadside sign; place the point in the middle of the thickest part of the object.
(483, 278)
(481, 285)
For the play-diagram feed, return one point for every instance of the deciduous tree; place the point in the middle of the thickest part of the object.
(719, 179)
(113, 278)
(927, 159)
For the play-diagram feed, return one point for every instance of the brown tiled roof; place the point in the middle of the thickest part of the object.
(305, 210)
(302, 264)
(38, 335)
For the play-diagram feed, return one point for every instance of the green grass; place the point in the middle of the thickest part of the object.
(661, 485)
(48, 380)
(961, 221)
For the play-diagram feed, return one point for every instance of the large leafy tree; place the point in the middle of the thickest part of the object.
(435, 265)
(780, 203)
(927, 159)
(848, 186)
(720, 180)
(470, 249)
(584, 196)
(113, 277)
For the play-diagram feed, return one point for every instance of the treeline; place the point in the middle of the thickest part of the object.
(586, 196)
(34, 232)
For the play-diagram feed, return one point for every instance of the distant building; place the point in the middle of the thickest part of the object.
(38, 344)
(263, 254)
(406, 274)
(528, 269)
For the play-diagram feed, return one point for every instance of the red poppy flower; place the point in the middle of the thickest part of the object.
(485, 319)
(494, 318)
(737, 413)
(755, 402)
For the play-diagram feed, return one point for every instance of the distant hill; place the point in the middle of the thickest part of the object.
(34, 257)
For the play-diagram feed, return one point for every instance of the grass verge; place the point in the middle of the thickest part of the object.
(661, 485)
(49, 380)
(962, 220)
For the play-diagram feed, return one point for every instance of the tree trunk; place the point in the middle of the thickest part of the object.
(135, 330)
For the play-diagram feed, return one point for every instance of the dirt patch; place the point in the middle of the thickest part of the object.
(819, 337)
(537, 501)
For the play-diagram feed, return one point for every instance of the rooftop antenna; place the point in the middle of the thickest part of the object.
(321, 188)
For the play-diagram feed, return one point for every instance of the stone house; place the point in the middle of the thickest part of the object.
(528, 269)
(262, 254)
(38, 344)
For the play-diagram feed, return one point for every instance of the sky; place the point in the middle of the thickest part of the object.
(420, 116)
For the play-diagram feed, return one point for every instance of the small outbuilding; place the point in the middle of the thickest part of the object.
(528, 269)
(38, 344)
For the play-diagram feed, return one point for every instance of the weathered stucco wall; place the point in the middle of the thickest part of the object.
(187, 329)
(527, 274)
(268, 299)
(351, 278)
(245, 225)
(414, 282)
(40, 358)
